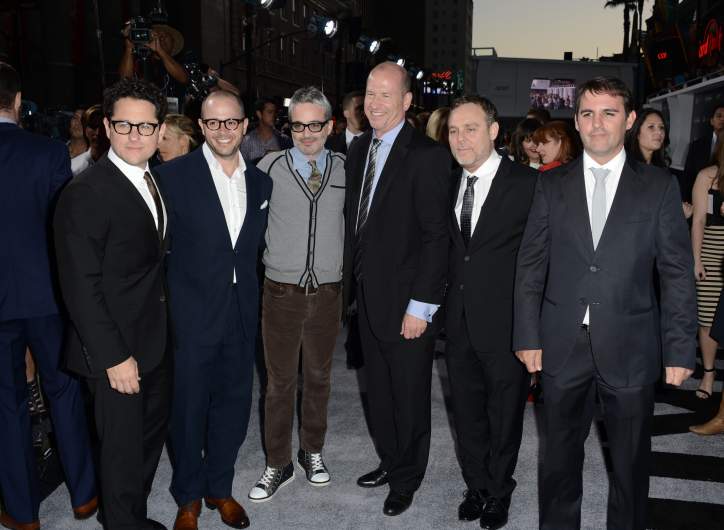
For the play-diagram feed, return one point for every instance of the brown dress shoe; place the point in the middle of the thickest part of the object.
(87, 510)
(187, 517)
(9, 522)
(714, 425)
(232, 514)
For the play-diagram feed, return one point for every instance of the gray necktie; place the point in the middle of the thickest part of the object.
(598, 203)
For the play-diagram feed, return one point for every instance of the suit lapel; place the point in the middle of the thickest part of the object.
(397, 155)
(629, 191)
(126, 187)
(209, 196)
(574, 193)
(490, 206)
(457, 236)
(251, 202)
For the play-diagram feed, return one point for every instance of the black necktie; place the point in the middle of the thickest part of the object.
(467, 211)
(364, 204)
(157, 201)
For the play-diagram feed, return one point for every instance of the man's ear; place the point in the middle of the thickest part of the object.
(17, 104)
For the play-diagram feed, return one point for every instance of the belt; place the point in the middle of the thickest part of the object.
(308, 289)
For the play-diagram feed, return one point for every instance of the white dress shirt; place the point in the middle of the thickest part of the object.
(349, 136)
(135, 175)
(485, 173)
(232, 193)
(615, 165)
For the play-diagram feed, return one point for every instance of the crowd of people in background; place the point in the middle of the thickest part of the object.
(277, 174)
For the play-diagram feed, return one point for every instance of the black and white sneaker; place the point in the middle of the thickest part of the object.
(313, 465)
(271, 480)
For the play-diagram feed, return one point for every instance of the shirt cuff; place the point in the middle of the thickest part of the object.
(422, 310)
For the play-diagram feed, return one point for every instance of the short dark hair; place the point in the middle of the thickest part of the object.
(612, 86)
(542, 115)
(523, 131)
(349, 96)
(263, 102)
(134, 89)
(484, 103)
(9, 85)
(715, 108)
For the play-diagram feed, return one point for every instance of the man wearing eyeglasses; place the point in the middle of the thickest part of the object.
(302, 298)
(218, 211)
(111, 237)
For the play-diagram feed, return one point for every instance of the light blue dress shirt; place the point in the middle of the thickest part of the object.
(301, 162)
(421, 310)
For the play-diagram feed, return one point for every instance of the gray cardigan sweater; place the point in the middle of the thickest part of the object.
(305, 235)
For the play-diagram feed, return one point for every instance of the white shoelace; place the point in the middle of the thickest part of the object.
(315, 459)
(269, 476)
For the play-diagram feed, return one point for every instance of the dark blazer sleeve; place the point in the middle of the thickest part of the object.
(675, 264)
(431, 200)
(81, 230)
(531, 271)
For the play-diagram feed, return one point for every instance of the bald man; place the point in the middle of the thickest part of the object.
(217, 208)
(395, 265)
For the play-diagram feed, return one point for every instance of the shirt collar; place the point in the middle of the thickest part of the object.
(349, 136)
(215, 165)
(487, 168)
(3, 119)
(614, 165)
(390, 136)
(301, 161)
(130, 171)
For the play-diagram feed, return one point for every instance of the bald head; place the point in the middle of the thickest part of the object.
(218, 96)
(394, 72)
(387, 97)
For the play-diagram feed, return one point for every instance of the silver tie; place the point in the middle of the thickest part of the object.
(598, 203)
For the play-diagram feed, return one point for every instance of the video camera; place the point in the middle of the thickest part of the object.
(139, 33)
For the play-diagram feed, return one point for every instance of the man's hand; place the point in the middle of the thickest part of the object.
(532, 359)
(675, 375)
(124, 377)
(412, 327)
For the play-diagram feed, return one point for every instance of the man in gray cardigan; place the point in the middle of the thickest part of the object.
(302, 299)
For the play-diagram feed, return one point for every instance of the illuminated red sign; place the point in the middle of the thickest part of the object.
(443, 76)
(712, 39)
(662, 55)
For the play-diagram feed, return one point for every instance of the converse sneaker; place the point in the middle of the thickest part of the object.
(271, 480)
(313, 465)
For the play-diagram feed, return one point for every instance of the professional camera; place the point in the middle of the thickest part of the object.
(139, 33)
(200, 81)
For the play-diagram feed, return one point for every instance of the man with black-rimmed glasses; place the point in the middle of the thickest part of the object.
(302, 300)
(111, 234)
(217, 213)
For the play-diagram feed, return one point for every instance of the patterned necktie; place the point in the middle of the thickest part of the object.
(598, 203)
(364, 203)
(157, 201)
(315, 179)
(466, 214)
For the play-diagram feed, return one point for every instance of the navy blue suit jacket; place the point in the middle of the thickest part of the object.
(33, 169)
(202, 259)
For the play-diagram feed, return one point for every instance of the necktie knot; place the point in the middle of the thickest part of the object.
(315, 178)
(600, 174)
(472, 179)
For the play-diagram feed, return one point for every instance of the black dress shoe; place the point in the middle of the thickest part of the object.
(375, 478)
(471, 508)
(495, 514)
(397, 502)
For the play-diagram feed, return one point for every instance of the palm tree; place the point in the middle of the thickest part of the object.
(628, 6)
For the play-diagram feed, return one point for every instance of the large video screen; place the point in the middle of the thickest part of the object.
(553, 94)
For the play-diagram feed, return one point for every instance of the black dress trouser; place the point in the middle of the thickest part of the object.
(132, 430)
(570, 403)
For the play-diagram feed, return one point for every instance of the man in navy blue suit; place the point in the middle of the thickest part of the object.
(217, 207)
(32, 171)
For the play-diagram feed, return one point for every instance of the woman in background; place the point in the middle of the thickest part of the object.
(522, 147)
(178, 139)
(555, 144)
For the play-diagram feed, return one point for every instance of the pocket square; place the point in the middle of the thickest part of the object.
(264, 205)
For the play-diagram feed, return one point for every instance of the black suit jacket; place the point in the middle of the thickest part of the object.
(698, 157)
(202, 258)
(110, 262)
(559, 274)
(337, 143)
(405, 237)
(481, 276)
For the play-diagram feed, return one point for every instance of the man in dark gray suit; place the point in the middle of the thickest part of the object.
(586, 311)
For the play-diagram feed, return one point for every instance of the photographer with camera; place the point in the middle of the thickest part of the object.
(149, 54)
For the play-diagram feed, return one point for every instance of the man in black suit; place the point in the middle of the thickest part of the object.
(110, 234)
(488, 385)
(701, 152)
(33, 169)
(586, 311)
(353, 111)
(218, 213)
(395, 260)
